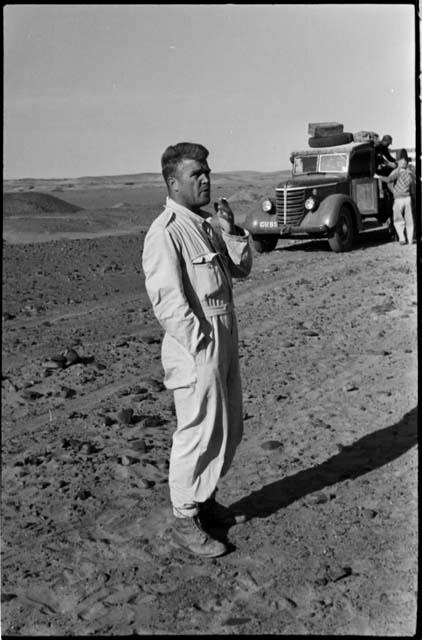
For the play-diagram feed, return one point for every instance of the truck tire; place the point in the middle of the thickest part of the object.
(331, 141)
(264, 244)
(343, 233)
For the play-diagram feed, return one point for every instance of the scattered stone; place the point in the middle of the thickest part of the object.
(7, 597)
(139, 445)
(83, 494)
(271, 445)
(143, 483)
(152, 339)
(156, 385)
(231, 622)
(350, 386)
(317, 498)
(29, 394)
(121, 472)
(125, 416)
(369, 513)
(67, 392)
(71, 356)
(338, 573)
(87, 448)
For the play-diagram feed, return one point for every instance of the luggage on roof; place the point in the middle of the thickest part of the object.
(366, 136)
(322, 129)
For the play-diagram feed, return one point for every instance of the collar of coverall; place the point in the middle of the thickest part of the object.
(178, 208)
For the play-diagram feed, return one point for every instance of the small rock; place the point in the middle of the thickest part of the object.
(87, 448)
(271, 445)
(83, 494)
(338, 573)
(29, 394)
(139, 445)
(317, 498)
(311, 333)
(121, 472)
(67, 392)
(350, 386)
(7, 597)
(152, 339)
(369, 513)
(287, 344)
(72, 357)
(108, 421)
(125, 416)
(143, 483)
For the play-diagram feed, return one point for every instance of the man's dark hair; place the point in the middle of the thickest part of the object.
(174, 154)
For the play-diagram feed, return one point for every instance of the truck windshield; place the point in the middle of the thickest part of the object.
(324, 163)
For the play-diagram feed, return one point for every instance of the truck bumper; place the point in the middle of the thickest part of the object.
(288, 230)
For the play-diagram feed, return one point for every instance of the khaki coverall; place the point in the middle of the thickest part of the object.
(188, 266)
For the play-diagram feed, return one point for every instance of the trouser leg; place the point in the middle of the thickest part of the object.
(399, 223)
(204, 440)
(408, 219)
(235, 406)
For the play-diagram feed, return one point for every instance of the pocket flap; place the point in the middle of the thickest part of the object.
(204, 258)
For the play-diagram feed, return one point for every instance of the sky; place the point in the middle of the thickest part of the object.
(93, 90)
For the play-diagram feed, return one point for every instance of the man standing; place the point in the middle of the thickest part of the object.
(403, 180)
(189, 259)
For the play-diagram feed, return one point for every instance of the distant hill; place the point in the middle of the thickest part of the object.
(34, 203)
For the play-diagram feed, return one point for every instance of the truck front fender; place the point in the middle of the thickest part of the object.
(328, 211)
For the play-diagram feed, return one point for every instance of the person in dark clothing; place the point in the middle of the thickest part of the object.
(385, 163)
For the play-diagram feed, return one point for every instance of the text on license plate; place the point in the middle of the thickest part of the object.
(268, 223)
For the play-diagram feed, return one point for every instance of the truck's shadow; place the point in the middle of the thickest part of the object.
(368, 453)
(365, 240)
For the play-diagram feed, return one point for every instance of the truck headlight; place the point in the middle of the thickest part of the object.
(310, 203)
(267, 206)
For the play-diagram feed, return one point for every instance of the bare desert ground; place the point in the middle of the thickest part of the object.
(327, 469)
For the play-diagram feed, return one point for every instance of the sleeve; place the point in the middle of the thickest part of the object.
(239, 252)
(393, 176)
(164, 285)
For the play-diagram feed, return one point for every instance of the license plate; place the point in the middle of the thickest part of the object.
(268, 224)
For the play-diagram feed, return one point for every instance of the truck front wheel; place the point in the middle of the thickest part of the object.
(263, 244)
(343, 233)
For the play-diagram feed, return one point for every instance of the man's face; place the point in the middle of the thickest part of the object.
(190, 186)
(402, 163)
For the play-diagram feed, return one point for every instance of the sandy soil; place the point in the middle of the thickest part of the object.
(327, 469)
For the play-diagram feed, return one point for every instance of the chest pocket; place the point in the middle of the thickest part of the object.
(211, 279)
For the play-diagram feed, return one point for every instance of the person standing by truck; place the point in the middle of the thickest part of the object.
(403, 181)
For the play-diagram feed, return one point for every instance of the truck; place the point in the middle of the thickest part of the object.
(332, 193)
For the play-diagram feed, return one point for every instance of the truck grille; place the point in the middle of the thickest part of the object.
(290, 205)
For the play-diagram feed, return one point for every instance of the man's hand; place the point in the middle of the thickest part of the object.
(225, 215)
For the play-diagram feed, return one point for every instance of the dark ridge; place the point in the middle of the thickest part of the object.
(32, 203)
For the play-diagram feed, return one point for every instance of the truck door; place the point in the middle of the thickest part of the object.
(365, 194)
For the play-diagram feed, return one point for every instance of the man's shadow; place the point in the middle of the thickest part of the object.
(364, 455)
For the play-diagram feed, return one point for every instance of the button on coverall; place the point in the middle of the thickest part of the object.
(188, 266)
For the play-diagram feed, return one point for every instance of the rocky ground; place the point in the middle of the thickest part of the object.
(327, 469)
